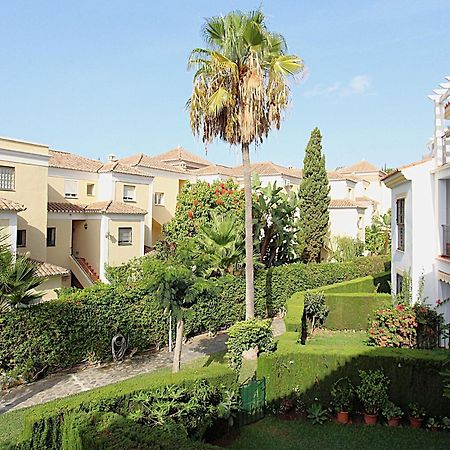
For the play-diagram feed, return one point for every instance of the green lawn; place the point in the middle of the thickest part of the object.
(272, 433)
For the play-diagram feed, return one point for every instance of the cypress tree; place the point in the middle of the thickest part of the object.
(314, 200)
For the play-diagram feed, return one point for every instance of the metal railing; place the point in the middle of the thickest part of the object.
(446, 240)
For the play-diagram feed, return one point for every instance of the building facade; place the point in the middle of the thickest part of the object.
(420, 201)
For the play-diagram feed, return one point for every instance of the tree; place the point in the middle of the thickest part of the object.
(176, 287)
(240, 93)
(276, 223)
(314, 199)
(196, 204)
(378, 234)
(18, 279)
(222, 242)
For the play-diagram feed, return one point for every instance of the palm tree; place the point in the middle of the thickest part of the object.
(18, 279)
(222, 241)
(240, 93)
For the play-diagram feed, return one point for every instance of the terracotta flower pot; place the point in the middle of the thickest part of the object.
(394, 421)
(415, 422)
(342, 417)
(370, 419)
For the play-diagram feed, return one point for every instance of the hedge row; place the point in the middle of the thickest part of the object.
(44, 426)
(311, 371)
(80, 325)
(350, 303)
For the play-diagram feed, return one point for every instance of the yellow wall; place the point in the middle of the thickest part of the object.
(52, 283)
(60, 254)
(157, 233)
(21, 146)
(118, 254)
(163, 213)
(141, 193)
(86, 242)
(56, 191)
(30, 191)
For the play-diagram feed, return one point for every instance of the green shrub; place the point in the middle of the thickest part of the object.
(350, 303)
(316, 311)
(372, 390)
(246, 335)
(311, 370)
(80, 325)
(342, 394)
(45, 426)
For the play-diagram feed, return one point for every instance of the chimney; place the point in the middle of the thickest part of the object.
(112, 158)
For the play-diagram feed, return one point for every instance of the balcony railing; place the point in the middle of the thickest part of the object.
(446, 240)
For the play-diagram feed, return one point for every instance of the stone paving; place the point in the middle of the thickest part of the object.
(66, 383)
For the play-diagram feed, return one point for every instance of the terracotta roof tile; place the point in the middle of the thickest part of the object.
(107, 207)
(334, 175)
(66, 160)
(113, 207)
(142, 160)
(407, 166)
(181, 154)
(345, 203)
(118, 167)
(9, 205)
(214, 169)
(269, 168)
(362, 166)
(45, 269)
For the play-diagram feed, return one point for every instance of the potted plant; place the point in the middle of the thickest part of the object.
(432, 424)
(342, 394)
(416, 415)
(392, 413)
(372, 392)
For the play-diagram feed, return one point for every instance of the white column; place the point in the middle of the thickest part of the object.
(104, 246)
(149, 216)
(439, 132)
(142, 231)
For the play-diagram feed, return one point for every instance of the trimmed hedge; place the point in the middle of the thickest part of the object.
(351, 303)
(80, 325)
(311, 371)
(42, 426)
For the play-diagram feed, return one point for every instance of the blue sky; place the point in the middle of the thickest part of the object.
(95, 77)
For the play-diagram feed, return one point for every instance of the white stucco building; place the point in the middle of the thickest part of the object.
(420, 199)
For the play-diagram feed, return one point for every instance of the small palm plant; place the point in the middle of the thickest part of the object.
(18, 279)
(240, 93)
(222, 241)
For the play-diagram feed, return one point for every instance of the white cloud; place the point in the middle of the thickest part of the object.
(358, 85)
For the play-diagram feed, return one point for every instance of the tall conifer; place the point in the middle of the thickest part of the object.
(314, 199)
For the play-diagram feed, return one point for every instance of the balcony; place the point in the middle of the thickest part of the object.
(446, 240)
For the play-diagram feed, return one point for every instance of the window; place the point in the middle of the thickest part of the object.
(400, 219)
(399, 284)
(159, 198)
(90, 189)
(21, 238)
(51, 237)
(129, 193)
(7, 178)
(125, 236)
(71, 188)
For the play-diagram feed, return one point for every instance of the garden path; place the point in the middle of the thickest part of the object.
(66, 383)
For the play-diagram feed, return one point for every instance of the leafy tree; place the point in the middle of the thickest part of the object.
(196, 204)
(18, 279)
(276, 223)
(176, 287)
(240, 93)
(345, 248)
(314, 199)
(378, 235)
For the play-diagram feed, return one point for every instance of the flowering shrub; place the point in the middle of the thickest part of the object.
(395, 326)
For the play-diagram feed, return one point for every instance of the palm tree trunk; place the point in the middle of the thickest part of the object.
(178, 346)
(249, 288)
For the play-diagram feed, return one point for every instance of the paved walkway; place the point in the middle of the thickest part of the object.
(66, 383)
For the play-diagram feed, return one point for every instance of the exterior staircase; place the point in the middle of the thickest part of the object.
(88, 269)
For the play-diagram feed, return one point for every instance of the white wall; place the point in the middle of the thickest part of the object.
(344, 222)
